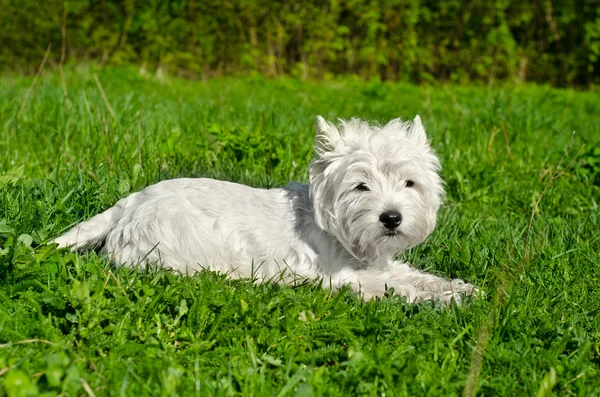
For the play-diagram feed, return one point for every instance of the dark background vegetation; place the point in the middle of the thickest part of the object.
(544, 41)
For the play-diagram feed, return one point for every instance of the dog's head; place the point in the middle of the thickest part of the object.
(376, 189)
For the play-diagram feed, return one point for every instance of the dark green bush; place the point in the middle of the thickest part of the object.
(557, 42)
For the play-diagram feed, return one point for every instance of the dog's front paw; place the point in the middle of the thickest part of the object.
(456, 290)
(460, 287)
(443, 297)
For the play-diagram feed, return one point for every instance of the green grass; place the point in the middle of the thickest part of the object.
(72, 324)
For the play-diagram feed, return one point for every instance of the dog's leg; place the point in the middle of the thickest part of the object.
(410, 283)
(430, 286)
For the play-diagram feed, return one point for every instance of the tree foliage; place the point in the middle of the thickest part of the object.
(557, 42)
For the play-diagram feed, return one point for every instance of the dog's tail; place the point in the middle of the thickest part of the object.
(92, 233)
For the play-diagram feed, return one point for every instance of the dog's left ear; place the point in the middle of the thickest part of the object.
(417, 131)
(327, 136)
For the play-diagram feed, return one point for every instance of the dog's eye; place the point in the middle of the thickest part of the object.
(410, 183)
(362, 187)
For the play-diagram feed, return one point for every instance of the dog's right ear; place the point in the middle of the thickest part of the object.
(417, 131)
(327, 136)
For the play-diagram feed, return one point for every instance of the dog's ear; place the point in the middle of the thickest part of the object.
(417, 131)
(327, 136)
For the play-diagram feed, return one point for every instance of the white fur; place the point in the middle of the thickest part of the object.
(328, 230)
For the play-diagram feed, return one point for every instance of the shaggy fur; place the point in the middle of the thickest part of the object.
(374, 192)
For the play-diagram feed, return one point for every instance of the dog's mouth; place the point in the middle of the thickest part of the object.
(391, 233)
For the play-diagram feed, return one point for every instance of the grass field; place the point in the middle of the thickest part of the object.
(72, 324)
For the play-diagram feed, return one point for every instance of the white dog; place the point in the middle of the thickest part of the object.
(374, 192)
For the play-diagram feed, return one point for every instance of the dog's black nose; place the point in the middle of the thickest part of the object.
(391, 219)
